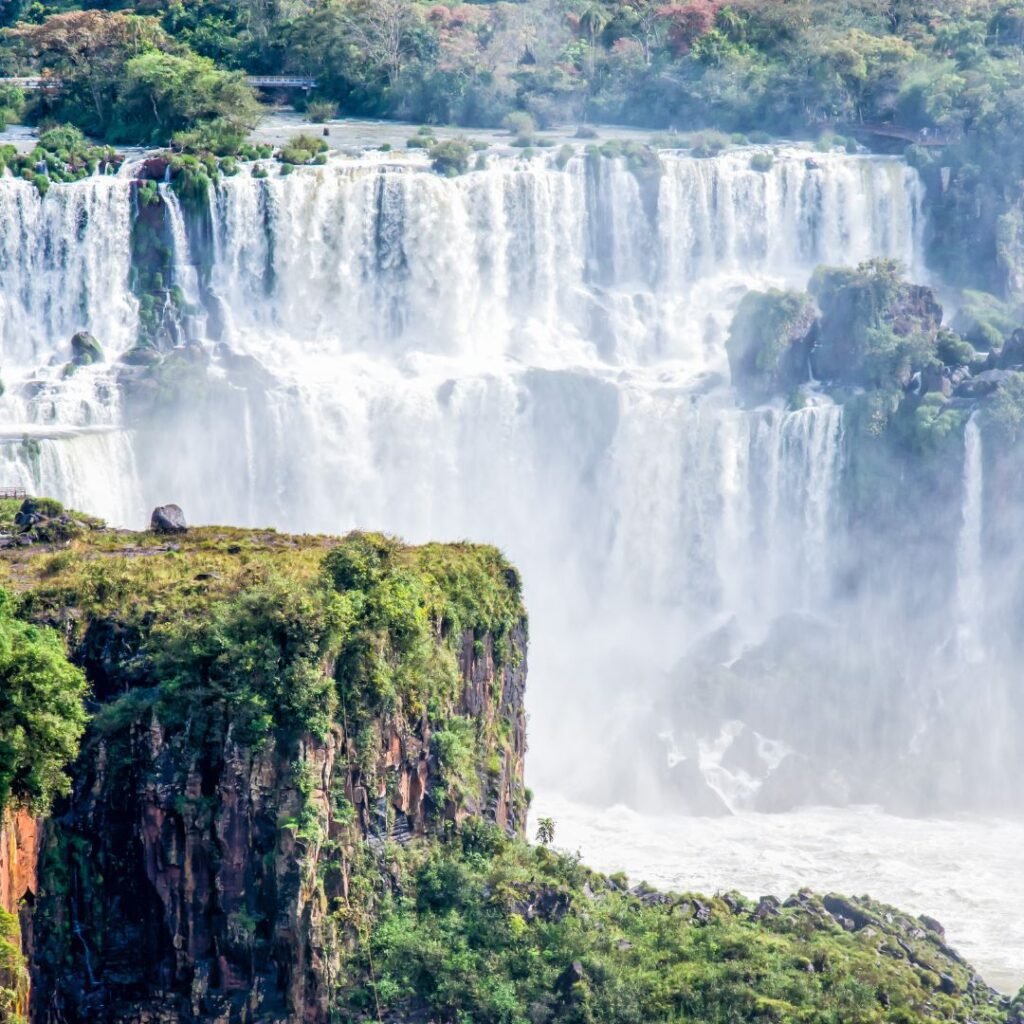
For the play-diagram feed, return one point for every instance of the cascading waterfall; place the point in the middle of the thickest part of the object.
(527, 354)
(66, 261)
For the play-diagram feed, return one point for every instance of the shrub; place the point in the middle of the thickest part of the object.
(985, 320)
(302, 149)
(63, 137)
(521, 125)
(450, 157)
(709, 143)
(321, 110)
(1005, 409)
(586, 131)
(953, 350)
(762, 162)
(564, 155)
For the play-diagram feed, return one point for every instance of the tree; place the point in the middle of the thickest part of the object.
(164, 93)
(41, 711)
(383, 30)
(124, 79)
(87, 51)
(546, 831)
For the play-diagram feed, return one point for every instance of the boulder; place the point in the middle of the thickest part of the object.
(983, 384)
(1012, 353)
(85, 349)
(934, 380)
(168, 519)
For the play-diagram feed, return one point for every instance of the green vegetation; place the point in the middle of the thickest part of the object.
(14, 978)
(276, 647)
(876, 329)
(1005, 412)
(450, 157)
(123, 78)
(769, 343)
(985, 321)
(482, 928)
(279, 637)
(303, 149)
(41, 712)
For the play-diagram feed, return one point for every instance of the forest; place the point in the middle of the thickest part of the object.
(790, 66)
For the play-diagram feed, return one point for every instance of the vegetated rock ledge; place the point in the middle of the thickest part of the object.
(301, 798)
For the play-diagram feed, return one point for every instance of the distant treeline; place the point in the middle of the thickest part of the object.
(782, 64)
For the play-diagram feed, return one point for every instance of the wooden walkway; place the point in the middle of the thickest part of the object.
(13, 493)
(306, 82)
(919, 136)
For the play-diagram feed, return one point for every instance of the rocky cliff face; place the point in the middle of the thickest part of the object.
(203, 871)
(19, 854)
(19, 857)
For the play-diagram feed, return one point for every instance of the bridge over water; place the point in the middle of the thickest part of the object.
(918, 136)
(45, 82)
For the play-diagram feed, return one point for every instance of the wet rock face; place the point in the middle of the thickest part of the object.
(85, 349)
(168, 519)
(191, 882)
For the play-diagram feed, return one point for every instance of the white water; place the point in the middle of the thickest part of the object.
(970, 580)
(964, 872)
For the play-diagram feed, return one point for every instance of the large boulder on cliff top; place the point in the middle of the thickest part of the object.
(168, 519)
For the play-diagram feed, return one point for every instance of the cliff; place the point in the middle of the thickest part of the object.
(19, 856)
(265, 706)
(300, 798)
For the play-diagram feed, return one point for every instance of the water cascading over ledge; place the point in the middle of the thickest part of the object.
(525, 354)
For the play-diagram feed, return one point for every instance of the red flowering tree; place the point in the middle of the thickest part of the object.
(688, 21)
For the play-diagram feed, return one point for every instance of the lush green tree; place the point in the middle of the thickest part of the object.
(124, 79)
(164, 93)
(42, 716)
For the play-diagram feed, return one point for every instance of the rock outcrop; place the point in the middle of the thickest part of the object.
(769, 344)
(85, 349)
(301, 799)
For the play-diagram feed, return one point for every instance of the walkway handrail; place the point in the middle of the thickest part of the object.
(256, 81)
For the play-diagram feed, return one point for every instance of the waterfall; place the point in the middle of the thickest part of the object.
(970, 595)
(65, 260)
(527, 354)
(186, 276)
(560, 267)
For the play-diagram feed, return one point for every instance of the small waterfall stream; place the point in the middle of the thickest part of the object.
(970, 594)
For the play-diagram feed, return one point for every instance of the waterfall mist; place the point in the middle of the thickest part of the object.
(535, 356)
